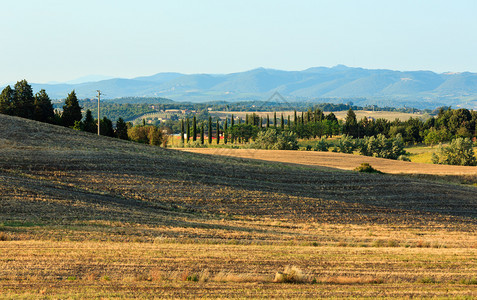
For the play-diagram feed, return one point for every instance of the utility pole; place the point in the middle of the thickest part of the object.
(99, 98)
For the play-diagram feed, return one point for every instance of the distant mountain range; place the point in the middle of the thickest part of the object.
(422, 89)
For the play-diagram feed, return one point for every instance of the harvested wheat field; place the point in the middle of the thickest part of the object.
(83, 216)
(339, 161)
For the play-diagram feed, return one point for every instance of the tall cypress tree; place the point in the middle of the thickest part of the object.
(194, 129)
(71, 110)
(283, 123)
(209, 130)
(202, 133)
(217, 131)
(260, 124)
(6, 100)
(246, 119)
(43, 108)
(24, 103)
(188, 129)
(268, 122)
(182, 131)
(288, 123)
(302, 119)
(231, 127)
(225, 131)
(295, 120)
(275, 119)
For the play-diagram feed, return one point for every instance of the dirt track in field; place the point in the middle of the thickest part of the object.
(339, 161)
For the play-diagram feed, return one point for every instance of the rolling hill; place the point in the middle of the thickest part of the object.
(421, 89)
(88, 216)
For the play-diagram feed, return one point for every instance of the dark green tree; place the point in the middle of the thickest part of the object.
(351, 124)
(295, 120)
(182, 131)
(43, 108)
(106, 127)
(209, 130)
(232, 136)
(89, 124)
(71, 110)
(282, 123)
(202, 133)
(121, 129)
(225, 131)
(288, 123)
(268, 122)
(24, 103)
(188, 129)
(6, 100)
(217, 132)
(194, 129)
(275, 120)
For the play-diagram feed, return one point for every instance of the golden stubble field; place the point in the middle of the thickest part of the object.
(83, 216)
(341, 161)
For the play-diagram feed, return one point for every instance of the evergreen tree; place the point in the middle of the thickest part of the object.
(295, 120)
(217, 132)
(232, 136)
(202, 134)
(182, 131)
(106, 127)
(209, 130)
(268, 122)
(275, 119)
(188, 129)
(302, 119)
(24, 103)
(261, 122)
(283, 123)
(89, 124)
(43, 108)
(288, 123)
(6, 100)
(351, 125)
(225, 131)
(71, 110)
(194, 129)
(246, 119)
(121, 129)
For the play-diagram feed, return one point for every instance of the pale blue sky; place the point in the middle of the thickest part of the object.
(52, 40)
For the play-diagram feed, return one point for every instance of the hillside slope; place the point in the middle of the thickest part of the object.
(54, 176)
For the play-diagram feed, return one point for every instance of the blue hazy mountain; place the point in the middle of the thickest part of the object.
(382, 87)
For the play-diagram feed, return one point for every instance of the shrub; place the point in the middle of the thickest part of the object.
(346, 144)
(322, 145)
(458, 152)
(275, 140)
(382, 147)
(290, 275)
(4, 237)
(146, 134)
(366, 168)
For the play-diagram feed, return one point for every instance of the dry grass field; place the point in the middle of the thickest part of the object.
(339, 161)
(83, 216)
